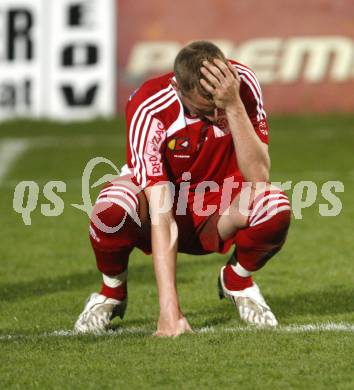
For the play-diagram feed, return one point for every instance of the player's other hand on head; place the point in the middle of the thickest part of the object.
(222, 81)
(172, 327)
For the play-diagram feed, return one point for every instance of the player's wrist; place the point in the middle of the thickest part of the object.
(170, 313)
(169, 301)
(236, 107)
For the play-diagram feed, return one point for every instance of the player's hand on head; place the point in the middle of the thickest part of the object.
(222, 81)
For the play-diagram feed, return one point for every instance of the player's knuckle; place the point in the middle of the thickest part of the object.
(218, 72)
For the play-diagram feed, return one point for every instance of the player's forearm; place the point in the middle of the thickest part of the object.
(252, 158)
(164, 251)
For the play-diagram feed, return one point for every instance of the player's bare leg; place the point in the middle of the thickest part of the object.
(259, 234)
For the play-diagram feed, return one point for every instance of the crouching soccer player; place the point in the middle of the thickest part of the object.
(202, 129)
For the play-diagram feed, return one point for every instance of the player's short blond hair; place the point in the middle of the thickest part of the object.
(188, 63)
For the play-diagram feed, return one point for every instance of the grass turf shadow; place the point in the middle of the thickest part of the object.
(138, 274)
(329, 301)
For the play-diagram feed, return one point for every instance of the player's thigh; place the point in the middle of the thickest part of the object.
(235, 216)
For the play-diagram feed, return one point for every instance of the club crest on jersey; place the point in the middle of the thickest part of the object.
(178, 144)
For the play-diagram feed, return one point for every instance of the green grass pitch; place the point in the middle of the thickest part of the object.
(47, 271)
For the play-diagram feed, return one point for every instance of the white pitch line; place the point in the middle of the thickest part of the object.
(10, 151)
(12, 148)
(305, 328)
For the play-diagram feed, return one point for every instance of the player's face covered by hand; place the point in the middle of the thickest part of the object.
(201, 107)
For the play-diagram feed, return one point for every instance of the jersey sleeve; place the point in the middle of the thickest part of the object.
(145, 149)
(251, 95)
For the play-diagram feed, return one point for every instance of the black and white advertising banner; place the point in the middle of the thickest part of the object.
(57, 58)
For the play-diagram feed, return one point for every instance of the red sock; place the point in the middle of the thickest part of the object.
(266, 233)
(235, 282)
(119, 293)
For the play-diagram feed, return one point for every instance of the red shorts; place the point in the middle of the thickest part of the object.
(197, 226)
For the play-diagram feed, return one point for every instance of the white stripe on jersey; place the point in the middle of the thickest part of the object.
(246, 79)
(132, 134)
(136, 115)
(139, 137)
(258, 87)
(147, 108)
(144, 136)
(252, 74)
(250, 79)
(135, 129)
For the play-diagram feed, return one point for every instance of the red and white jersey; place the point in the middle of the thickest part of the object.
(164, 141)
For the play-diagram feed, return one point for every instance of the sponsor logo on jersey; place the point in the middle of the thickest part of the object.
(155, 139)
(178, 144)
